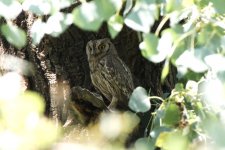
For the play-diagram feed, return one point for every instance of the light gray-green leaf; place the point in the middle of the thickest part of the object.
(142, 17)
(139, 100)
(10, 9)
(87, 20)
(115, 24)
(14, 35)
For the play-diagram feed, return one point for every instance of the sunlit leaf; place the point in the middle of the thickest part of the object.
(157, 130)
(38, 7)
(38, 31)
(191, 61)
(214, 129)
(66, 3)
(139, 100)
(216, 62)
(115, 25)
(179, 87)
(129, 5)
(15, 64)
(192, 86)
(165, 70)
(144, 144)
(118, 123)
(172, 115)
(88, 20)
(142, 17)
(214, 96)
(14, 35)
(149, 46)
(172, 5)
(156, 50)
(10, 9)
(172, 141)
(58, 23)
(219, 6)
(107, 8)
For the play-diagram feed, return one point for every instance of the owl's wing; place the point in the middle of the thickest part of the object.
(119, 74)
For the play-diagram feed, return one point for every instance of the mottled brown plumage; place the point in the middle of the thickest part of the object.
(109, 74)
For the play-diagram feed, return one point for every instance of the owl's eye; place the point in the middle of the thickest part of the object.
(101, 47)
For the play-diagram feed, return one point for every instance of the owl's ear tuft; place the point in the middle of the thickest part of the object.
(107, 39)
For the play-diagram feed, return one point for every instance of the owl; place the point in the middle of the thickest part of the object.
(109, 74)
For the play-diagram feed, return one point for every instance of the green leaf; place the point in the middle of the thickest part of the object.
(37, 31)
(14, 35)
(88, 20)
(128, 7)
(38, 7)
(216, 62)
(139, 100)
(107, 8)
(172, 5)
(179, 87)
(115, 25)
(165, 70)
(32, 101)
(172, 115)
(172, 141)
(149, 46)
(157, 130)
(66, 3)
(58, 23)
(144, 144)
(219, 6)
(10, 9)
(192, 61)
(142, 17)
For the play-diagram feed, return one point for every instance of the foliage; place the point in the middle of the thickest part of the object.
(22, 124)
(191, 117)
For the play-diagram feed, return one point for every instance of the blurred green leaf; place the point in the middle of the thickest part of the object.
(165, 70)
(218, 4)
(155, 132)
(172, 141)
(128, 7)
(14, 35)
(87, 20)
(10, 9)
(166, 42)
(192, 61)
(107, 8)
(144, 144)
(214, 128)
(38, 31)
(173, 5)
(58, 23)
(142, 17)
(179, 87)
(139, 100)
(176, 5)
(216, 62)
(172, 115)
(32, 101)
(66, 3)
(115, 25)
(38, 7)
(149, 46)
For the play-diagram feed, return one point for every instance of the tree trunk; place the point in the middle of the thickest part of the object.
(61, 64)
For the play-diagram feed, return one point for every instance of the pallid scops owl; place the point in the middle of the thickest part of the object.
(109, 74)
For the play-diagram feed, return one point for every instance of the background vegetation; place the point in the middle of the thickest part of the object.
(190, 117)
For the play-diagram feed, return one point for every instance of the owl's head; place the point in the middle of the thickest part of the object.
(99, 48)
